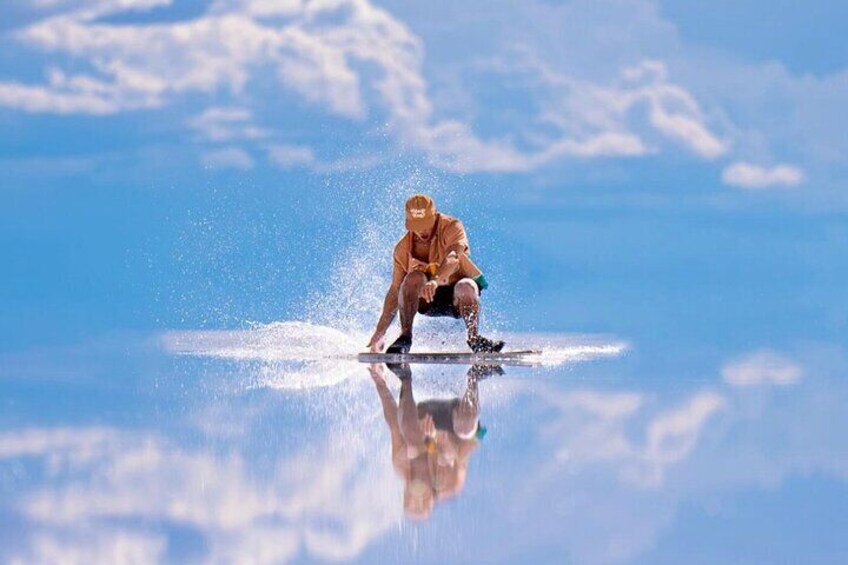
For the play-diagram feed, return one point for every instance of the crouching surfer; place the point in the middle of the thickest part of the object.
(432, 275)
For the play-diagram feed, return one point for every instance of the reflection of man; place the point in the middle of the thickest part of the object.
(432, 275)
(432, 441)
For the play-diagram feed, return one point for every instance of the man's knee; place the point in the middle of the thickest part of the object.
(466, 291)
(414, 279)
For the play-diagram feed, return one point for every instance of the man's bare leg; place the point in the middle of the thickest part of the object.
(467, 411)
(408, 420)
(466, 299)
(390, 413)
(410, 292)
(408, 296)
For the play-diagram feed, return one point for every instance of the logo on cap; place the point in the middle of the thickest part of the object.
(418, 212)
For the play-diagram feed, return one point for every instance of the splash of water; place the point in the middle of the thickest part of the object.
(360, 273)
(301, 355)
(319, 348)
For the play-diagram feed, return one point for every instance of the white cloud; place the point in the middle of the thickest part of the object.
(360, 162)
(747, 175)
(95, 8)
(228, 158)
(291, 156)
(762, 367)
(73, 95)
(261, 8)
(226, 124)
(590, 120)
(673, 110)
(209, 54)
(333, 54)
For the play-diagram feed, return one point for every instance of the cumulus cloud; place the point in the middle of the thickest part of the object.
(291, 156)
(337, 55)
(86, 94)
(228, 158)
(673, 111)
(747, 175)
(219, 124)
(763, 367)
(589, 120)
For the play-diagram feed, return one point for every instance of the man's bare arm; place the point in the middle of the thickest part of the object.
(390, 308)
(451, 263)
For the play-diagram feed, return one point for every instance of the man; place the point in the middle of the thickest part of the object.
(432, 275)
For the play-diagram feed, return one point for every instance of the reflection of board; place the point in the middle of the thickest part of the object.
(523, 357)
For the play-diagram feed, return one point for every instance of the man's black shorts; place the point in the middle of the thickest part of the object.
(442, 304)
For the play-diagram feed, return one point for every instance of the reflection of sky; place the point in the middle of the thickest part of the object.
(606, 461)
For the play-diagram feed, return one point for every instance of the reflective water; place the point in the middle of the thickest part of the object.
(187, 448)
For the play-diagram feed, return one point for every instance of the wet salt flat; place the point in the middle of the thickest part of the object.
(199, 447)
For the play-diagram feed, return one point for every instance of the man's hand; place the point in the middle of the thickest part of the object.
(428, 426)
(428, 291)
(376, 370)
(377, 342)
(448, 267)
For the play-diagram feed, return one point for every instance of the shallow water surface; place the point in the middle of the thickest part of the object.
(219, 447)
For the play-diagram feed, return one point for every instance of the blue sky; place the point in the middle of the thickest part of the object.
(627, 164)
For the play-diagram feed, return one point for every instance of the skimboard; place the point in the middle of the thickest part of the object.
(520, 357)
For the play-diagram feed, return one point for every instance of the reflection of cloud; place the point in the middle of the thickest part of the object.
(602, 481)
(671, 436)
(592, 427)
(746, 175)
(103, 489)
(613, 483)
(64, 442)
(589, 425)
(761, 367)
(87, 547)
(626, 462)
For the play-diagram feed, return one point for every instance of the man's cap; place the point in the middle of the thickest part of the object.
(420, 211)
